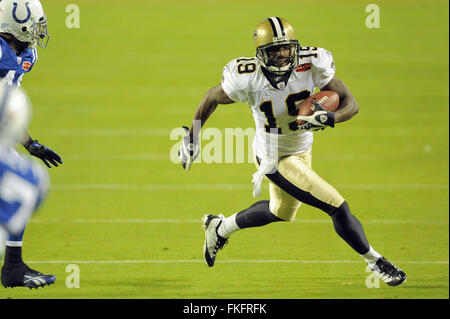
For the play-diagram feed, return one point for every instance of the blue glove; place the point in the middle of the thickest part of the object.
(44, 153)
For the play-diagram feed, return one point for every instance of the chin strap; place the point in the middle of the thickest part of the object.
(277, 81)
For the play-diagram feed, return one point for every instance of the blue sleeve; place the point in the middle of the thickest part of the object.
(7, 60)
(28, 59)
(14, 67)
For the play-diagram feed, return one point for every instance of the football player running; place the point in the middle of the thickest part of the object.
(282, 74)
(23, 185)
(23, 27)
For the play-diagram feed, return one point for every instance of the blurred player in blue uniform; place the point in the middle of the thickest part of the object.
(23, 185)
(23, 27)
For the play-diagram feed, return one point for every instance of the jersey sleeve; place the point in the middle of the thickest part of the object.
(13, 67)
(323, 68)
(27, 60)
(6, 61)
(233, 83)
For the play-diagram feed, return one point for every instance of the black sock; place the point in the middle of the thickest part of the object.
(13, 255)
(350, 229)
(258, 214)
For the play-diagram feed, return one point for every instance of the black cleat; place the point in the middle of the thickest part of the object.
(388, 272)
(20, 275)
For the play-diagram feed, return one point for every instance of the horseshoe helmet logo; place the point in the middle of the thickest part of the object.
(27, 5)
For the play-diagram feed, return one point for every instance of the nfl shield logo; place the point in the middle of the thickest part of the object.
(26, 65)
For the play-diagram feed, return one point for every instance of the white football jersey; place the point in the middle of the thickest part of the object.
(275, 109)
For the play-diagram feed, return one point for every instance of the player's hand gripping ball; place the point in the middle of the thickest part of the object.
(317, 111)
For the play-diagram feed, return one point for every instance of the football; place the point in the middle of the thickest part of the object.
(329, 100)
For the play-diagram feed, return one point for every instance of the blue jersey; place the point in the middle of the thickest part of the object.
(23, 185)
(12, 66)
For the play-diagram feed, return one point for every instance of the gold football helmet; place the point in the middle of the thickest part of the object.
(272, 35)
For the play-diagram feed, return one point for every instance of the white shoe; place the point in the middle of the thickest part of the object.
(213, 241)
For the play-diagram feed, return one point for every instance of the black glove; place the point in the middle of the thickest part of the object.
(319, 120)
(43, 152)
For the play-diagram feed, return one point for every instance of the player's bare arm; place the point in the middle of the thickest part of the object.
(208, 105)
(190, 148)
(348, 106)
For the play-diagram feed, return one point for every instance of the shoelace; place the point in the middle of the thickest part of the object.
(388, 271)
(221, 242)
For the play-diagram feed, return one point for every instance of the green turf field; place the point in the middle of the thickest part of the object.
(107, 95)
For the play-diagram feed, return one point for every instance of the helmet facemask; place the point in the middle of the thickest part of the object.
(276, 63)
(38, 33)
